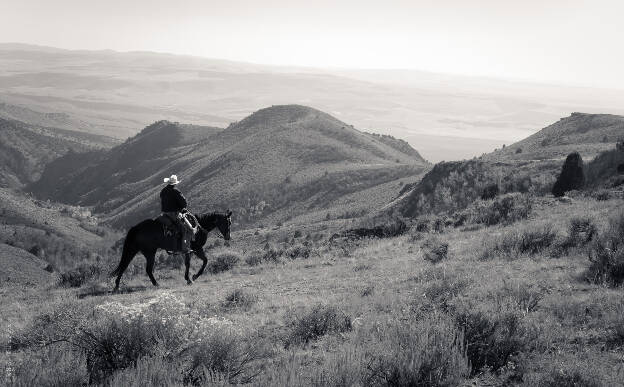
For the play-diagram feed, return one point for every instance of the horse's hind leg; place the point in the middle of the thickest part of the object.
(200, 253)
(128, 253)
(187, 263)
(150, 257)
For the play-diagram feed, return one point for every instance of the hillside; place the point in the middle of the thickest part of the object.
(447, 117)
(25, 149)
(64, 236)
(530, 165)
(19, 267)
(278, 163)
(588, 134)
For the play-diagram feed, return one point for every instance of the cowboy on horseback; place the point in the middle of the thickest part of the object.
(173, 205)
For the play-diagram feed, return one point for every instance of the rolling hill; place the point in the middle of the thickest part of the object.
(530, 165)
(25, 149)
(447, 117)
(279, 163)
(588, 134)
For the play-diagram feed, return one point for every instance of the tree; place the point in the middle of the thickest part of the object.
(572, 175)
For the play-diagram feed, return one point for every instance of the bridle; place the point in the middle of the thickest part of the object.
(200, 227)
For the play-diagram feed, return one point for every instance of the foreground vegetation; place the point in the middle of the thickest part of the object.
(524, 295)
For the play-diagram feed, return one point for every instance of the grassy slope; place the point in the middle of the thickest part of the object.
(573, 319)
(588, 134)
(535, 168)
(26, 149)
(20, 268)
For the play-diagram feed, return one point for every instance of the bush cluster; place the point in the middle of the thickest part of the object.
(606, 254)
(434, 250)
(316, 323)
(428, 353)
(514, 243)
(240, 298)
(80, 275)
(130, 343)
(492, 338)
(505, 209)
(223, 262)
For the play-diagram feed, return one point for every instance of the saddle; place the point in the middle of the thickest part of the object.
(173, 229)
(169, 227)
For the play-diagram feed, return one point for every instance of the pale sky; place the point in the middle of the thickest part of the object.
(562, 41)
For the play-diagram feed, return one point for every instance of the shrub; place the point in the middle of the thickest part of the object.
(508, 209)
(434, 250)
(223, 357)
(568, 377)
(428, 353)
(582, 231)
(367, 291)
(516, 242)
(572, 175)
(519, 150)
(299, 251)
(518, 295)
(224, 262)
(298, 234)
(422, 225)
(602, 195)
(439, 293)
(490, 192)
(79, 275)
(116, 344)
(316, 323)
(254, 258)
(240, 298)
(492, 338)
(60, 365)
(607, 254)
(148, 371)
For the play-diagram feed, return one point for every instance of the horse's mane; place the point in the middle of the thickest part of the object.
(209, 216)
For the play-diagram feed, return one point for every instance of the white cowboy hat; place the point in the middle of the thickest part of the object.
(173, 180)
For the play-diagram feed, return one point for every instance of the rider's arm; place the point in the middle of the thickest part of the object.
(181, 200)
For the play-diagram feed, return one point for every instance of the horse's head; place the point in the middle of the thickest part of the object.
(224, 222)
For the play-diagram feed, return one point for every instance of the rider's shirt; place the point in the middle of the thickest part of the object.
(171, 199)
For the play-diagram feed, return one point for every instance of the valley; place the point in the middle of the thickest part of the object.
(353, 260)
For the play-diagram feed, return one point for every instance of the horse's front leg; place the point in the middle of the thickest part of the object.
(200, 253)
(187, 263)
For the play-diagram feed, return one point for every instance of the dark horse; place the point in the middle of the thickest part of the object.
(147, 237)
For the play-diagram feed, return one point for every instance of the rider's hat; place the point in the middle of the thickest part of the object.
(173, 180)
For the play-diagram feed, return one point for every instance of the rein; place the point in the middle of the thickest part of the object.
(201, 228)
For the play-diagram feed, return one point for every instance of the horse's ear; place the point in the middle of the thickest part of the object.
(228, 213)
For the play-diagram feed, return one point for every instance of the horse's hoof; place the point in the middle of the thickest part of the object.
(189, 282)
(195, 277)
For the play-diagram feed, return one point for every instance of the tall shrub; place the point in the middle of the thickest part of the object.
(572, 175)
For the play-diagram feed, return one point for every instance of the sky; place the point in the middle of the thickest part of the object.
(577, 42)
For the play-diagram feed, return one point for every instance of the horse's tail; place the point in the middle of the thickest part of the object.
(128, 252)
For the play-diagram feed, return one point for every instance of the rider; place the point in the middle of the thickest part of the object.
(173, 203)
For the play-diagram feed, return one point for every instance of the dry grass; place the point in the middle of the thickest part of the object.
(408, 321)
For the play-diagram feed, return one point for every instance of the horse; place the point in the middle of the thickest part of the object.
(148, 236)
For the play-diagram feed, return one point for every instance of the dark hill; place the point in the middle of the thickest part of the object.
(25, 150)
(277, 163)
